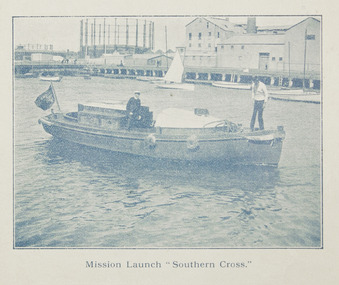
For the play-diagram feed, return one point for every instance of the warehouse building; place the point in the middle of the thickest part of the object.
(274, 49)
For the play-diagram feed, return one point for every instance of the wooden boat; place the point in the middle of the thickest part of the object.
(51, 78)
(231, 85)
(150, 79)
(174, 76)
(315, 99)
(290, 91)
(27, 75)
(186, 135)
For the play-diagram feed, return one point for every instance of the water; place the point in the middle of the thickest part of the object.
(73, 196)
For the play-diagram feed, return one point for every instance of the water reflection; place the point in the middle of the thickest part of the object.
(207, 175)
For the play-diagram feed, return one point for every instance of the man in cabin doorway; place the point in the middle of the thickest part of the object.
(260, 97)
(132, 109)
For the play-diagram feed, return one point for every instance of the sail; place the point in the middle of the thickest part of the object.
(176, 70)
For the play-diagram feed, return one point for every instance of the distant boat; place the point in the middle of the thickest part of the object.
(87, 77)
(290, 91)
(50, 78)
(174, 76)
(27, 75)
(150, 79)
(315, 99)
(232, 85)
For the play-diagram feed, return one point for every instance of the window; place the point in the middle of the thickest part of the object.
(199, 45)
(273, 58)
(190, 45)
(199, 36)
(310, 37)
(280, 58)
(209, 45)
(208, 25)
(232, 47)
(190, 36)
(218, 35)
(242, 47)
(193, 57)
(222, 47)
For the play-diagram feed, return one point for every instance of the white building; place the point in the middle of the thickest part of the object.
(202, 37)
(281, 50)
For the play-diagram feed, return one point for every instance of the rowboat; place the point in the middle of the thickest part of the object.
(175, 134)
(315, 99)
(51, 78)
(290, 91)
(231, 85)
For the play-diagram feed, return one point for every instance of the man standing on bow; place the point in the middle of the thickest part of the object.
(132, 109)
(260, 98)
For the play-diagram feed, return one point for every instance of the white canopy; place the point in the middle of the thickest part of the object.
(179, 118)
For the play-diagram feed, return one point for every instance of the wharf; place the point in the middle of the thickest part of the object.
(200, 75)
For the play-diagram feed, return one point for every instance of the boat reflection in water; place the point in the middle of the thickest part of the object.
(212, 175)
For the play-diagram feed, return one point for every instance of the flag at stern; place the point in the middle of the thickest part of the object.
(46, 99)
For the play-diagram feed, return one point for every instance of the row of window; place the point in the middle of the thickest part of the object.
(199, 45)
(240, 58)
(200, 35)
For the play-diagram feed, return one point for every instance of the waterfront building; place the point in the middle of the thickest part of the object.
(202, 37)
(148, 59)
(292, 50)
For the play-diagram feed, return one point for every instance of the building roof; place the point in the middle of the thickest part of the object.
(160, 55)
(273, 28)
(222, 23)
(303, 21)
(255, 39)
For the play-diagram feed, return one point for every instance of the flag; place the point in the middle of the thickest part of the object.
(46, 99)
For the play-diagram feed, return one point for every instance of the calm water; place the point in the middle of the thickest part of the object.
(73, 196)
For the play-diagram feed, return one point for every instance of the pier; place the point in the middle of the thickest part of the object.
(201, 75)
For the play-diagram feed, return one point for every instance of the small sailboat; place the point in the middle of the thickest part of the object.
(174, 76)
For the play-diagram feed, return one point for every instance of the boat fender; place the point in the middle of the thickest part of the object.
(193, 143)
(150, 141)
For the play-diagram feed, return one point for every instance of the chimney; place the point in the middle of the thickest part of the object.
(251, 25)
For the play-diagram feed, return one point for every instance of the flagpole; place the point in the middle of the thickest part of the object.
(305, 59)
(56, 99)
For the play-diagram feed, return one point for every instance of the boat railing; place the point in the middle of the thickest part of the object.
(226, 125)
(72, 116)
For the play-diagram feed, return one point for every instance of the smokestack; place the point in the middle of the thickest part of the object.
(92, 34)
(104, 35)
(86, 37)
(251, 25)
(144, 36)
(99, 35)
(136, 33)
(126, 32)
(152, 35)
(81, 36)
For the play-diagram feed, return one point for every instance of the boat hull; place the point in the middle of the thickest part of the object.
(53, 79)
(231, 85)
(166, 143)
(180, 86)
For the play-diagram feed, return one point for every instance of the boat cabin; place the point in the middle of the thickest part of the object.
(111, 116)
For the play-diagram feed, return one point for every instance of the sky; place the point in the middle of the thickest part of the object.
(64, 32)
